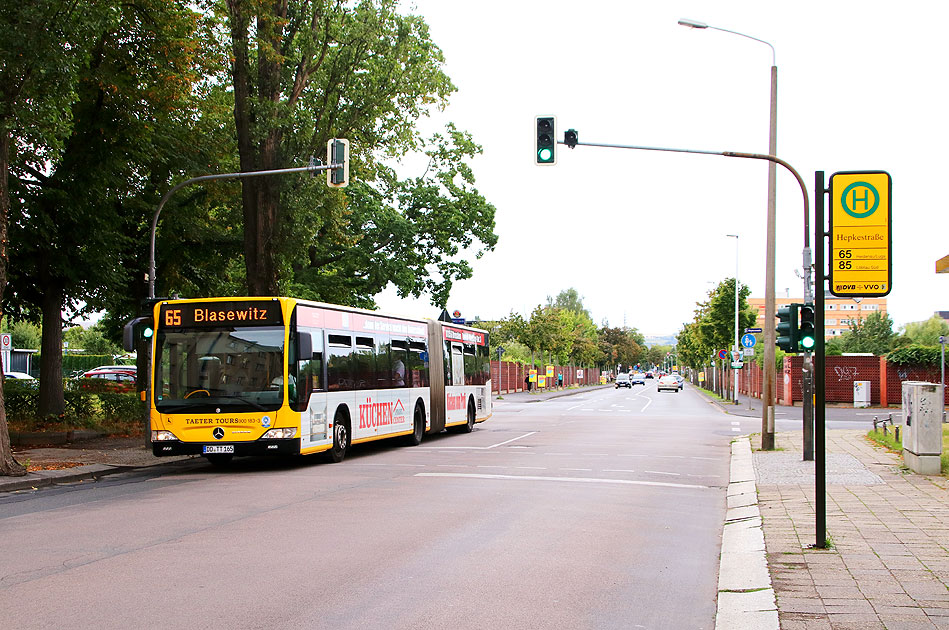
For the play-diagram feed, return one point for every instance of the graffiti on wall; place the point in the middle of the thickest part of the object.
(845, 373)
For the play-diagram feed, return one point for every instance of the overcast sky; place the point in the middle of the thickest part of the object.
(642, 235)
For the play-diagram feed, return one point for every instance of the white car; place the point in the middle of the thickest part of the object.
(669, 382)
(18, 376)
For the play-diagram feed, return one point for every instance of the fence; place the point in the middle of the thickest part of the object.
(839, 375)
(508, 377)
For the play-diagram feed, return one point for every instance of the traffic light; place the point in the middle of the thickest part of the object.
(806, 332)
(546, 140)
(140, 328)
(337, 152)
(787, 328)
(570, 138)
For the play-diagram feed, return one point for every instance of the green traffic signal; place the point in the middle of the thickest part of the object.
(807, 331)
(546, 128)
(147, 332)
(787, 329)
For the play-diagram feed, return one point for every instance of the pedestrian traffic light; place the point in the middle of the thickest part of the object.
(546, 139)
(570, 138)
(787, 328)
(806, 332)
(140, 328)
(337, 152)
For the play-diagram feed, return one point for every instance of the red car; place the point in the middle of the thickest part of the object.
(122, 379)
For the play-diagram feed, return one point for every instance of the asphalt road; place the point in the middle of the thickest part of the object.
(599, 510)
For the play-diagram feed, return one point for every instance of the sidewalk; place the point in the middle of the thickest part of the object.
(888, 563)
(96, 458)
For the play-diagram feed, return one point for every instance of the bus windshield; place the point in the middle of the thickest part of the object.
(201, 369)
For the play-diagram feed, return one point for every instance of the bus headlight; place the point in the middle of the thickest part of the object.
(163, 436)
(279, 434)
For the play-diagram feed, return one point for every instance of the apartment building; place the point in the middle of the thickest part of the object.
(838, 312)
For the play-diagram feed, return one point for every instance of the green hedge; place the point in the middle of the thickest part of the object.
(79, 362)
(85, 408)
(915, 355)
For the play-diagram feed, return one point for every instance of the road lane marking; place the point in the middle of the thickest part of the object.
(531, 467)
(647, 405)
(618, 470)
(659, 472)
(476, 448)
(630, 482)
(577, 469)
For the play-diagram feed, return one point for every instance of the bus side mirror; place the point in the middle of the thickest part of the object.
(304, 346)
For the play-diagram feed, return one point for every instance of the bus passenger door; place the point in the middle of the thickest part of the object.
(457, 365)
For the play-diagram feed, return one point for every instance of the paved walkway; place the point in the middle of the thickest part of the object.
(889, 562)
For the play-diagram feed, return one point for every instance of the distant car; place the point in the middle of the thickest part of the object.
(123, 377)
(668, 382)
(638, 379)
(681, 380)
(650, 375)
(622, 380)
(18, 376)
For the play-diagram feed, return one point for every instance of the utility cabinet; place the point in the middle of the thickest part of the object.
(922, 426)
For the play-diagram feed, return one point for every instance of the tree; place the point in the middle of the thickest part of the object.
(132, 88)
(570, 300)
(717, 321)
(305, 71)
(927, 332)
(43, 43)
(873, 334)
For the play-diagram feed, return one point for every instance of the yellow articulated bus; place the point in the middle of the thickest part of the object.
(280, 376)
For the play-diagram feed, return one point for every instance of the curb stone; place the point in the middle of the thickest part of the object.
(41, 478)
(745, 594)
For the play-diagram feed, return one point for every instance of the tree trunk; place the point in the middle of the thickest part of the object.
(8, 465)
(260, 195)
(51, 401)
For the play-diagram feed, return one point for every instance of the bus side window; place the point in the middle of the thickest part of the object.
(418, 364)
(338, 363)
(364, 363)
(472, 370)
(401, 372)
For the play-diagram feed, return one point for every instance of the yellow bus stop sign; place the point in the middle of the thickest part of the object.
(860, 234)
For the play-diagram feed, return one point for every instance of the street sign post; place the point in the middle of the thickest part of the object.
(860, 234)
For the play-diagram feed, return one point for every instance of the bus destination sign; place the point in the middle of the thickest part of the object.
(229, 313)
(860, 234)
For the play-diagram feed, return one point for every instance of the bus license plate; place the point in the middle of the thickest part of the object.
(218, 448)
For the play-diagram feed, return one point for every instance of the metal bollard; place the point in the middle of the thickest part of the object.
(896, 432)
(874, 424)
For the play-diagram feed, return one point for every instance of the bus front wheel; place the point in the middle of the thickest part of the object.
(340, 439)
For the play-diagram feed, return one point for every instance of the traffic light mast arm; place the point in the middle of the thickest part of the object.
(737, 154)
(312, 167)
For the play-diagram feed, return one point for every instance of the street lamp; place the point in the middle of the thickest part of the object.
(735, 236)
(767, 408)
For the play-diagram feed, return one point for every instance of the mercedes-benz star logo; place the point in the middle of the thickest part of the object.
(218, 433)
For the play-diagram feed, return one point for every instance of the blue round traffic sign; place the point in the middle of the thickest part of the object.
(748, 340)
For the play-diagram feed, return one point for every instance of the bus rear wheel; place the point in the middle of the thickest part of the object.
(418, 428)
(468, 427)
(340, 439)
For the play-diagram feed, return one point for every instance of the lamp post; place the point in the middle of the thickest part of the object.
(767, 407)
(735, 236)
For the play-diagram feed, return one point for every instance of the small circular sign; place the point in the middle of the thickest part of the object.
(6, 341)
(722, 354)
